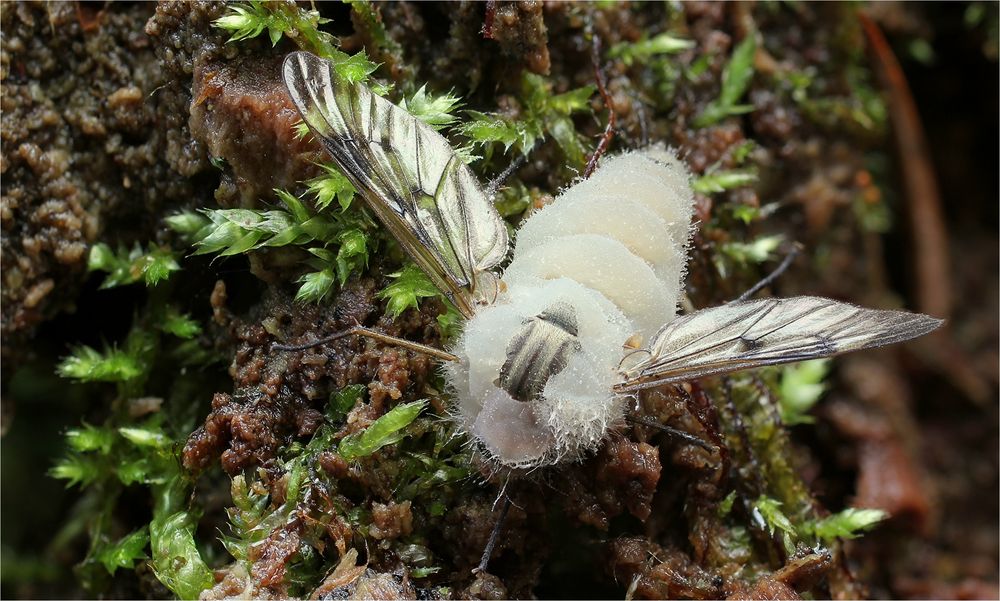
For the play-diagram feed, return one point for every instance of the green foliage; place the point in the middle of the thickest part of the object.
(720, 180)
(384, 431)
(76, 469)
(746, 253)
(543, 115)
(88, 365)
(770, 511)
(735, 81)
(435, 111)
(249, 19)
(410, 285)
(176, 560)
(124, 553)
(646, 48)
(846, 524)
(800, 389)
(450, 322)
(342, 401)
(179, 324)
(755, 251)
(331, 185)
(90, 438)
(129, 266)
(228, 232)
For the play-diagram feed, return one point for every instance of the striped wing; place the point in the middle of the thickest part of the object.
(766, 332)
(407, 173)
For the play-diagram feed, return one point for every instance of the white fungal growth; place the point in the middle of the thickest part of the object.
(611, 249)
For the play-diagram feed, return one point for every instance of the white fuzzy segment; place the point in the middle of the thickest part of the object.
(613, 247)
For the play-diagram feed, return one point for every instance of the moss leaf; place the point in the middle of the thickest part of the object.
(383, 431)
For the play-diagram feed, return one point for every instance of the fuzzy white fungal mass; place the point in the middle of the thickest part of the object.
(612, 248)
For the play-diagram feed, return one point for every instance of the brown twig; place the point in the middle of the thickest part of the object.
(926, 215)
(609, 130)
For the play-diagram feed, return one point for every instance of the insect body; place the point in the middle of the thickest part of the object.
(541, 373)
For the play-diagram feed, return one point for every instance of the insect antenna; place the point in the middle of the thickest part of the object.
(670, 431)
(780, 269)
(368, 333)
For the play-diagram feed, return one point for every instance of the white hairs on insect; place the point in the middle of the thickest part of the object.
(613, 248)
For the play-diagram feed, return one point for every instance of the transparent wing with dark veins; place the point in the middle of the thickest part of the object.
(766, 332)
(408, 174)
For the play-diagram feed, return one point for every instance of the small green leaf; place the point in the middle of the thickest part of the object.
(486, 129)
(157, 265)
(329, 186)
(723, 179)
(756, 251)
(450, 322)
(101, 258)
(727, 504)
(573, 101)
(125, 552)
(435, 111)
(88, 365)
(149, 437)
(745, 213)
(410, 285)
(735, 81)
(356, 68)
(176, 561)
(647, 48)
(127, 267)
(187, 223)
(77, 469)
(91, 438)
(315, 286)
(770, 510)
(800, 389)
(342, 401)
(846, 524)
(383, 431)
(180, 324)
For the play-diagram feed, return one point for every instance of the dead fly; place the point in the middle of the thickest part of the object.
(539, 373)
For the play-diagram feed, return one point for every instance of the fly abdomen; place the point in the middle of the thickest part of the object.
(622, 233)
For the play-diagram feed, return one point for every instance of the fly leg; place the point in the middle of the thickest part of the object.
(367, 333)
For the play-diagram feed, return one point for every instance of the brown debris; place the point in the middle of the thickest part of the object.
(78, 151)
(391, 520)
(765, 588)
(519, 29)
(279, 395)
(622, 477)
(242, 114)
(650, 571)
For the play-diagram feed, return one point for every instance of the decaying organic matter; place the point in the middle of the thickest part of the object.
(141, 141)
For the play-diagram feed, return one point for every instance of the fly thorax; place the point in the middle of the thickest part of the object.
(540, 349)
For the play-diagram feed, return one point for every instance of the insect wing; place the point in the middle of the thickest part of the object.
(766, 332)
(408, 174)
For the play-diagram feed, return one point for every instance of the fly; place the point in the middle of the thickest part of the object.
(540, 373)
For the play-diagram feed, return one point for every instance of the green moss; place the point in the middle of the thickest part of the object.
(736, 79)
